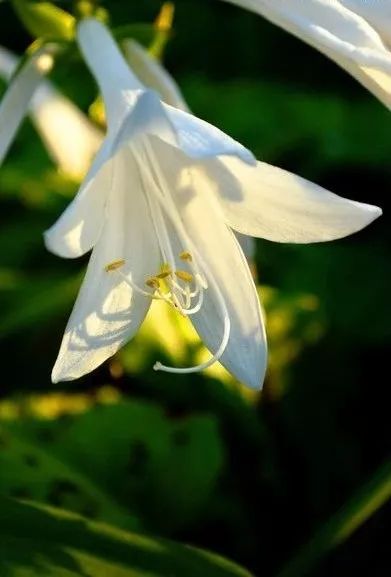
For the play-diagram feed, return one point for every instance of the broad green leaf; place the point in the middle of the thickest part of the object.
(162, 469)
(37, 541)
(28, 471)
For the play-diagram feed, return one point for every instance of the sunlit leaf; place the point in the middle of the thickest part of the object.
(162, 469)
(36, 541)
(31, 471)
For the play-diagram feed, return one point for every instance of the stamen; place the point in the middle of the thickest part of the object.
(115, 265)
(160, 210)
(153, 282)
(165, 268)
(186, 256)
(164, 275)
(166, 202)
(202, 281)
(184, 275)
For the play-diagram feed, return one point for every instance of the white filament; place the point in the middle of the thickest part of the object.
(163, 195)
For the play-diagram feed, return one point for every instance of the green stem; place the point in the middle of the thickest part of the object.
(343, 524)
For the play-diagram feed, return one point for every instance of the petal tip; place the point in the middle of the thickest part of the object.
(58, 374)
(377, 211)
(59, 246)
(257, 381)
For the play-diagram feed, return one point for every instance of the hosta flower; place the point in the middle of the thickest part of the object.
(153, 74)
(15, 101)
(70, 138)
(157, 208)
(354, 33)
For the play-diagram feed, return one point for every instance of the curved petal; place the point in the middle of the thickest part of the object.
(70, 137)
(131, 109)
(246, 354)
(107, 312)
(203, 220)
(8, 63)
(13, 106)
(341, 34)
(78, 228)
(196, 138)
(153, 74)
(116, 81)
(247, 244)
(268, 202)
(199, 139)
(378, 14)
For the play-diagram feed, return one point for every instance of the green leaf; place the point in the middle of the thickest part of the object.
(163, 469)
(187, 476)
(343, 524)
(29, 471)
(37, 541)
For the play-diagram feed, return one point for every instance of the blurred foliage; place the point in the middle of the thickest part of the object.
(154, 467)
(290, 482)
(65, 545)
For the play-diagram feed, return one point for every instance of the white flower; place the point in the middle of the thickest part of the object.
(152, 74)
(356, 34)
(70, 138)
(155, 207)
(19, 93)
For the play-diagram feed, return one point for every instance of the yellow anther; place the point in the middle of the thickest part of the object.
(185, 255)
(153, 282)
(163, 275)
(165, 271)
(114, 265)
(184, 275)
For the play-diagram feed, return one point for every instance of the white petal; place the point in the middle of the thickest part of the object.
(199, 139)
(378, 14)
(70, 138)
(153, 75)
(196, 138)
(13, 106)
(340, 33)
(247, 244)
(245, 355)
(144, 112)
(267, 202)
(8, 63)
(108, 312)
(116, 81)
(147, 117)
(78, 228)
